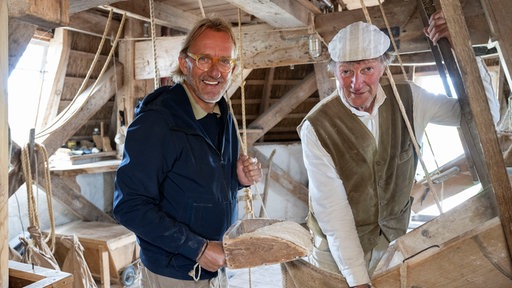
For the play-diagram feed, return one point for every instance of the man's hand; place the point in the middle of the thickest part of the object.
(437, 28)
(248, 170)
(213, 258)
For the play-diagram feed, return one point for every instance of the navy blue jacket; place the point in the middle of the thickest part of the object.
(173, 188)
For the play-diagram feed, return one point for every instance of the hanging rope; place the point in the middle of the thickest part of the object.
(202, 8)
(153, 42)
(404, 115)
(84, 82)
(31, 200)
(48, 130)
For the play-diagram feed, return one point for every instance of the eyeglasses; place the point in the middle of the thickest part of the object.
(205, 62)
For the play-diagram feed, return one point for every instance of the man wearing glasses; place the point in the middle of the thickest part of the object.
(176, 187)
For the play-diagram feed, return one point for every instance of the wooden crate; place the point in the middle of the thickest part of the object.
(256, 242)
(26, 275)
(108, 248)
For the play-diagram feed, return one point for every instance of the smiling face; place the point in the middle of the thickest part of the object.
(207, 87)
(359, 82)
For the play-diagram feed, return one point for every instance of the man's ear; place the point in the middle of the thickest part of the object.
(183, 64)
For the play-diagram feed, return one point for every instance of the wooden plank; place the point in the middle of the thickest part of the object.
(472, 260)
(57, 59)
(68, 122)
(262, 46)
(76, 6)
(92, 23)
(165, 15)
(278, 13)
(167, 52)
(67, 191)
(4, 147)
(479, 106)
(497, 12)
(86, 168)
(325, 81)
(21, 274)
(47, 14)
(132, 90)
(278, 111)
(465, 217)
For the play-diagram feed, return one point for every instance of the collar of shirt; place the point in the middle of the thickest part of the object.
(199, 113)
(371, 121)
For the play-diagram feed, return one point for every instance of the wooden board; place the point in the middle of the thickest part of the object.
(28, 276)
(476, 259)
(256, 242)
(108, 247)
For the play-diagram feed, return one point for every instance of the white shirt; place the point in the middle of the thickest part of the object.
(327, 193)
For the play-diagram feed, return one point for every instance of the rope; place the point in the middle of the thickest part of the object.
(202, 8)
(32, 203)
(392, 39)
(153, 42)
(404, 115)
(47, 130)
(91, 68)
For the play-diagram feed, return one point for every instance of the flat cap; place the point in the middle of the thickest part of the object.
(358, 41)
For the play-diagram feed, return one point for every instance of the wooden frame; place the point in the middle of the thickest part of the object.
(29, 276)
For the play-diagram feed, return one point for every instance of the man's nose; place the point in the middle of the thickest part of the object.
(357, 81)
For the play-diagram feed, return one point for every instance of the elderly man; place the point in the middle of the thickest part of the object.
(359, 155)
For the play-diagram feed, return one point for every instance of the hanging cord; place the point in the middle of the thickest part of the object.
(47, 130)
(404, 116)
(31, 201)
(153, 42)
(202, 8)
(84, 82)
(392, 40)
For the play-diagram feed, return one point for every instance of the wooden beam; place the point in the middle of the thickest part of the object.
(280, 176)
(470, 260)
(67, 191)
(92, 23)
(165, 15)
(76, 6)
(479, 106)
(324, 80)
(4, 146)
(263, 47)
(20, 34)
(57, 59)
(278, 111)
(47, 14)
(402, 14)
(278, 13)
(132, 90)
(497, 12)
(84, 107)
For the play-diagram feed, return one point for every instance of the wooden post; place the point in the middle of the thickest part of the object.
(478, 107)
(4, 151)
(498, 17)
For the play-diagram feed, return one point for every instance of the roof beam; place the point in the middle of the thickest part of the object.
(403, 14)
(165, 15)
(76, 6)
(278, 111)
(278, 13)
